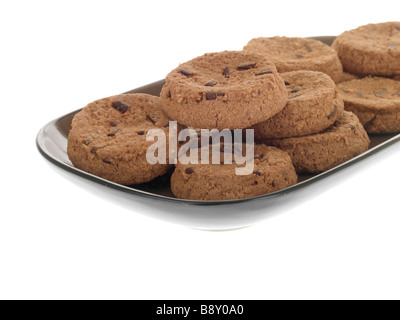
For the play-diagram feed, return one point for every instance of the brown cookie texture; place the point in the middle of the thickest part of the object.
(291, 54)
(316, 153)
(108, 138)
(372, 49)
(224, 90)
(375, 101)
(273, 170)
(313, 105)
(347, 77)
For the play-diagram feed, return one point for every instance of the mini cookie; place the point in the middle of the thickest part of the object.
(225, 90)
(108, 138)
(291, 54)
(320, 152)
(373, 49)
(313, 105)
(273, 170)
(376, 102)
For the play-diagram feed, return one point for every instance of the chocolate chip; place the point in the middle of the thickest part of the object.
(287, 83)
(257, 172)
(264, 72)
(295, 96)
(113, 123)
(259, 157)
(220, 93)
(353, 128)
(211, 96)
(169, 94)
(167, 125)
(106, 161)
(150, 119)
(189, 170)
(94, 150)
(332, 114)
(273, 184)
(295, 89)
(212, 83)
(225, 72)
(299, 55)
(396, 26)
(246, 66)
(140, 133)
(254, 183)
(397, 94)
(186, 72)
(344, 90)
(359, 94)
(308, 48)
(391, 47)
(121, 106)
(86, 142)
(380, 94)
(112, 134)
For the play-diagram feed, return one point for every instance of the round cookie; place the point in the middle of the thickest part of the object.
(291, 54)
(224, 90)
(273, 170)
(320, 152)
(372, 49)
(108, 138)
(313, 105)
(375, 101)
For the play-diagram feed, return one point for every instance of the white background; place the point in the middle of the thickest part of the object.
(58, 240)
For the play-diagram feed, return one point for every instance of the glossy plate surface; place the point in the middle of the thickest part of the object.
(52, 143)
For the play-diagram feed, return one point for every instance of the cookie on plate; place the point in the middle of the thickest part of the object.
(291, 54)
(273, 170)
(108, 138)
(375, 101)
(322, 151)
(225, 90)
(313, 105)
(373, 49)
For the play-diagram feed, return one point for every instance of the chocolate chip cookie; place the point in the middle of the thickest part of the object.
(108, 138)
(273, 170)
(291, 54)
(225, 90)
(376, 102)
(373, 49)
(316, 153)
(313, 105)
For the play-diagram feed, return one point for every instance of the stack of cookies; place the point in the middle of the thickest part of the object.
(281, 88)
(370, 88)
